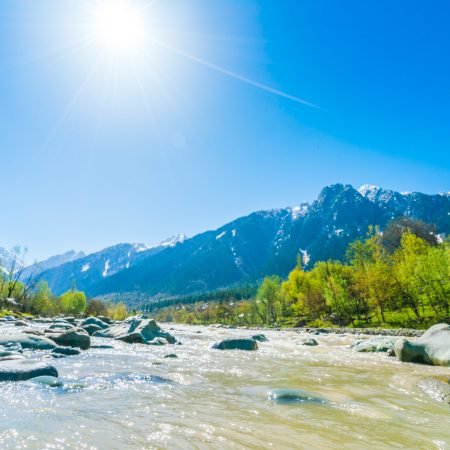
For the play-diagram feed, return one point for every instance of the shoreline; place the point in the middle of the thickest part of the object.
(396, 332)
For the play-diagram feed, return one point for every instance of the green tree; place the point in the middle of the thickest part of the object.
(73, 302)
(268, 299)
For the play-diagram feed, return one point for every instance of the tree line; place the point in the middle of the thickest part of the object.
(30, 295)
(398, 277)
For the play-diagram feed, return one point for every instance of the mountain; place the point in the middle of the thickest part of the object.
(38, 268)
(90, 270)
(5, 260)
(250, 247)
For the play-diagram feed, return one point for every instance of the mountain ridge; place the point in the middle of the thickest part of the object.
(250, 247)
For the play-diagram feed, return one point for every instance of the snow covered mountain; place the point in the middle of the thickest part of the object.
(89, 270)
(250, 247)
(34, 270)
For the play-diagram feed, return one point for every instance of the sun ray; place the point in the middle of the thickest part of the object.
(234, 75)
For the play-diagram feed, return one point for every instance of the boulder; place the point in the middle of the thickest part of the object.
(433, 347)
(375, 344)
(105, 319)
(236, 344)
(260, 337)
(95, 321)
(294, 396)
(310, 342)
(24, 370)
(29, 341)
(67, 351)
(61, 326)
(43, 320)
(91, 328)
(21, 323)
(77, 338)
(136, 330)
(48, 381)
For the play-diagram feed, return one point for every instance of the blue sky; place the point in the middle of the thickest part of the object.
(99, 149)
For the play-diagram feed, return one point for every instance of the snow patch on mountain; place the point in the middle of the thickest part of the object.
(105, 271)
(299, 211)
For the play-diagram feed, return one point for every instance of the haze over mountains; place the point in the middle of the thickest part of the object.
(246, 249)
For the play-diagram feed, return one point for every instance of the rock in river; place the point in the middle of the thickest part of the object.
(67, 351)
(137, 329)
(375, 344)
(433, 347)
(91, 328)
(236, 344)
(311, 342)
(29, 341)
(24, 370)
(77, 338)
(294, 396)
(94, 321)
(260, 337)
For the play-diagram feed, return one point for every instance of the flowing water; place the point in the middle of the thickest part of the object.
(131, 397)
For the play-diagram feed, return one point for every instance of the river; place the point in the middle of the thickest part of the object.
(132, 397)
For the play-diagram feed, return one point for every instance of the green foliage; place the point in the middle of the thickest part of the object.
(73, 302)
(117, 311)
(402, 279)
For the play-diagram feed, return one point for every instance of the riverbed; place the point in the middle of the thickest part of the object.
(132, 396)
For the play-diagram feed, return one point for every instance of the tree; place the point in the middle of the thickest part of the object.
(392, 235)
(73, 302)
(304, 289)
(96, 308)
(42, 301)
(336, 279)
(268, 299)
(373, 283)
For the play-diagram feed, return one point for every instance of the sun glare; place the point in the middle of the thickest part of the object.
(119, 27)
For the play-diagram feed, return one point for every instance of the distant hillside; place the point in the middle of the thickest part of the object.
(247, 249)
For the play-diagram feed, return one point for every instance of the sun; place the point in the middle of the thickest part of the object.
(119, 27)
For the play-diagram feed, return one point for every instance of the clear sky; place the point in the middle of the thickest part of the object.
(197, 116)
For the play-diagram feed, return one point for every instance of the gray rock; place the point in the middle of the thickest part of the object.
(105, 319)
(130, 329)
(24, 370)
(260, 337)
(77, 338)
(48, 381)
(43, 320)
(91, 328)
(375, 344)
(433, 347)
(28, 341)
(67, 351)
(310, 342)
(171, 355)
(61, 326)
(294, 396)
(95, 321)
(21, 323)
(236, 344)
